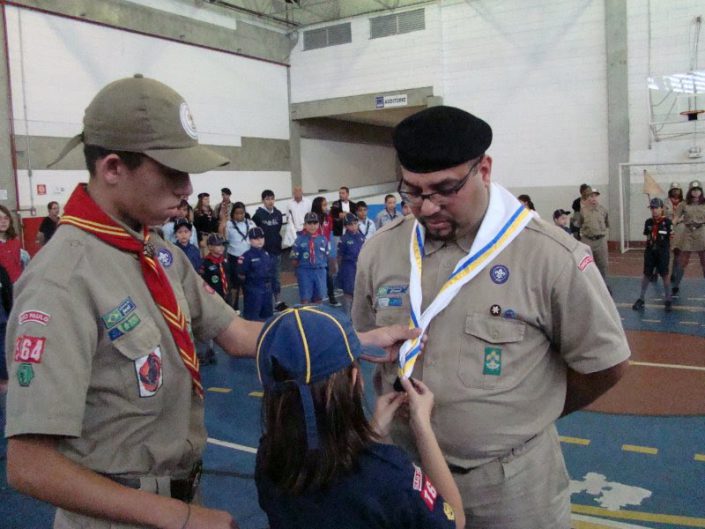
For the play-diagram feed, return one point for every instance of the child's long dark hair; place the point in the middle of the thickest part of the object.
(690, 199)
(343, 432)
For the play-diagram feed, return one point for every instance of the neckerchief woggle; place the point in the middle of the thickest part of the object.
(504, 220)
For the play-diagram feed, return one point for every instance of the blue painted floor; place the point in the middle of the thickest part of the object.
(668, 482)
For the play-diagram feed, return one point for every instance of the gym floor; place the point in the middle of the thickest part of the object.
(636, 457)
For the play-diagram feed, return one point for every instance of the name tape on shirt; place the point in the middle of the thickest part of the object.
(33, 316)
(586, 261)
(418, 479)
(29, 349)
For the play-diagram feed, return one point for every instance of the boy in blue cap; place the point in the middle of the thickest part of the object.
(183, 231)
(320, 462)
(657, 229)
(256, 269)
(309, 255)
(349, 248)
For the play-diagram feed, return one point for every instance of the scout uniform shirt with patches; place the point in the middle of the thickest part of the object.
(496, 356)
(93, 361)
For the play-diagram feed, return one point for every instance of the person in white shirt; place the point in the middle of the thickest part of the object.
(365, 225)
(168, 228)
(389, 213)
(235, 231)
(297, 208)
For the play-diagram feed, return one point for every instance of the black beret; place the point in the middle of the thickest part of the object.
(439, 138)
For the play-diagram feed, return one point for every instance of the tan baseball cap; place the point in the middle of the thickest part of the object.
(137, 114)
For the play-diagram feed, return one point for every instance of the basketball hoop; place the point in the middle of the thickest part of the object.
(692, 114)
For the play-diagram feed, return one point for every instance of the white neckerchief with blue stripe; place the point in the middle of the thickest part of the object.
(504, 220)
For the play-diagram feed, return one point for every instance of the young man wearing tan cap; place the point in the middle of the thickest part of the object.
(105, 408)
(492, 288)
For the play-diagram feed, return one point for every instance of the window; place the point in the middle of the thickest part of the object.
(397, 23)
(328, 36)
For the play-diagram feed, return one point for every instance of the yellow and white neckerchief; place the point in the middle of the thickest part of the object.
(504, 220)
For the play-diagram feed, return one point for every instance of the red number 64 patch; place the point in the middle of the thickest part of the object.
(29, 349)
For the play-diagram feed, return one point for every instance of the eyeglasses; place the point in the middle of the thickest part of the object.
(440, 197)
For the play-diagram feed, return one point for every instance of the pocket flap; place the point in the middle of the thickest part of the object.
(138, 341)
(493, 329)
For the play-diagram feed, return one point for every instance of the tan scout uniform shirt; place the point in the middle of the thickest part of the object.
(496, 356)
(692, 219)
(85, 325)
(593, 221)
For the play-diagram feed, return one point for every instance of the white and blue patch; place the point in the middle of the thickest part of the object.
(510, 314)
(165, 258)
(499, 274)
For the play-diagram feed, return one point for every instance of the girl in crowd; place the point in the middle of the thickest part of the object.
(235, 232)
(320, 462)
(10, 248)
(691, 214)
(528, 204)
(320, 208)
(205, 220)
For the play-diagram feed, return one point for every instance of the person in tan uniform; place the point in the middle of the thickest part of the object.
(594, 228)
(675, 197)
(493, 290)
(105, 412)
(691, 215)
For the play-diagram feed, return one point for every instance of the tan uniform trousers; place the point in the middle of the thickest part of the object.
(527, 489)
(599, 253)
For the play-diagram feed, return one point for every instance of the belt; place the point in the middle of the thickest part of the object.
(594, 238)
(180, 489)
(514, 452)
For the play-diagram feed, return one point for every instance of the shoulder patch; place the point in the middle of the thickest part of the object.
(585, 262)
(429, 494)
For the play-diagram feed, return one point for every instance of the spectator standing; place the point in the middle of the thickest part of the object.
(235, 232)
(214, 273)
(205, 221)
(183, 231)
(691, 213)
(657, 230)
(348, 250)
(320, 208)
(297, 208)
(338, 210)
(366, 226)
(309, 255)
(271, 220)
(594, 228)
(389, 213)
(225, 206)
(529, 204)
(49, 224)
(561, 218)
(577, 204)
(10, 247)
(169, 228)
(5, 308)
(675, 197)
(257, 271)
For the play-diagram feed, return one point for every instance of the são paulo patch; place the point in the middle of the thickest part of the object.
(499, 274)
(149, 373)
(585, 262)
(33, 316)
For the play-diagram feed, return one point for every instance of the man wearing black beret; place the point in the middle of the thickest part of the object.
(507, 353)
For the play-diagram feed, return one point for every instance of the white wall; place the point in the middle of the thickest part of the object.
(57, 65)
(331, 164)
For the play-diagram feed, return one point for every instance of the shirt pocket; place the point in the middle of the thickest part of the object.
(490, 355)
(141, 361)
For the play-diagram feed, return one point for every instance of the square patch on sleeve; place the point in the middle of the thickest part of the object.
(29, 349)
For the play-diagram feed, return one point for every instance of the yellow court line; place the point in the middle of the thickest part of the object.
(640, 449)
(256, 394)
(219, 390)
(683, 521)
(574, 440)
(668, 366)
(699, 457)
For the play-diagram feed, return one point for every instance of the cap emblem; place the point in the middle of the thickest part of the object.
(187, 121)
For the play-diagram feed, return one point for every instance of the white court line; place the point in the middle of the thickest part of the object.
(668, 366)
(602, 522)
(234, 446)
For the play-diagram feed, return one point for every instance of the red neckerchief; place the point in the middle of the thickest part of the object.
(655, 227)
(219, 260)
(82, 212)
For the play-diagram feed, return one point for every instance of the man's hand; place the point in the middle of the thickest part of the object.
(202, 518)
(390, 339)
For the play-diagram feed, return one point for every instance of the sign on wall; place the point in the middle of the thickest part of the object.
(396, 100)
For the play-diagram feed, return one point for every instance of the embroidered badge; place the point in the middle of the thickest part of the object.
(418, 479)
(187, 121)
(165, 258)
(392, 301)
(509, 314)
(499, 274)
(585, 261)
(448, 511)
(208, 288)
(33, 316)
(493, 361)
(149, 373)
(429, 494)
(392, 289)
(215, 280)
(495, 310)
(25, 375)
(119, 313)
(124, 327)
(29, 349)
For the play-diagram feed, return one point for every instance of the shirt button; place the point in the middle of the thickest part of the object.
(495, 334)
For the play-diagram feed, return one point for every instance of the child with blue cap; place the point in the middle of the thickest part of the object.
(320, 462)
(257, 271)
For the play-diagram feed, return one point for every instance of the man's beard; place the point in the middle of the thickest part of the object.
(434, 235)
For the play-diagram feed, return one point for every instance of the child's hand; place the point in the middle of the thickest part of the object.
(420, 401)
(386, 407)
